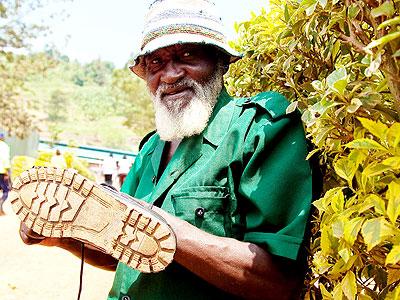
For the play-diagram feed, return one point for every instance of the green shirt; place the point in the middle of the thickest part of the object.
(244, 177)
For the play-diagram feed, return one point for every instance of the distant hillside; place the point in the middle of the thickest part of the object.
(93, 104)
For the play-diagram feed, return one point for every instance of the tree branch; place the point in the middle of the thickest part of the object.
(358, 46)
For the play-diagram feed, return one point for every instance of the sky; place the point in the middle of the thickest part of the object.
(109, 30)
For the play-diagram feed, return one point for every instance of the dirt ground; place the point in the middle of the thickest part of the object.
(45, 273)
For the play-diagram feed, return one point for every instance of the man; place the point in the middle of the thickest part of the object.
(124, 166)
(4, 170)
(58, 160)
(109, 167)
(229, 176)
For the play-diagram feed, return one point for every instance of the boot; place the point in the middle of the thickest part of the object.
(61, 203)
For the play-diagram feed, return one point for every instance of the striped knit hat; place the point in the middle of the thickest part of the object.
(170, 22)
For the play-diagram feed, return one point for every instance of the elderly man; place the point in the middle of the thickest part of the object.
(228, 177)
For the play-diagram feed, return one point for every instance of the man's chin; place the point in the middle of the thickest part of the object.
(177, 137)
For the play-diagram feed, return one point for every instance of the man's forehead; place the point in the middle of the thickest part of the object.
(178, 48)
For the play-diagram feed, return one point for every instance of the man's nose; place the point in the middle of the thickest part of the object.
(172, 72)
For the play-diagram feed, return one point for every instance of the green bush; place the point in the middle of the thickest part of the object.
(23, 163)
(339, 64)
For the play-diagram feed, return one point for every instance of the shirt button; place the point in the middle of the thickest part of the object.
(126, 298)
(200, 212)
(154, 179)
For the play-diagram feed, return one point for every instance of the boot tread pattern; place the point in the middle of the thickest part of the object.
(61, 203)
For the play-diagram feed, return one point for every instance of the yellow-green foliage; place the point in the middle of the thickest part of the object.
(339, 64)
(22, 163)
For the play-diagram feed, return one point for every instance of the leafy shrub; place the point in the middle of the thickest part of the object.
(339, 64)
(22, 163)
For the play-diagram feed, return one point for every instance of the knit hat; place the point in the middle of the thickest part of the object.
(170, 22)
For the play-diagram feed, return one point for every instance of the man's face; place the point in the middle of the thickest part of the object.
(185, 81)
(170, 64)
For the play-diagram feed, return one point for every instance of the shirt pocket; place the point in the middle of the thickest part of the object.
(206, 207)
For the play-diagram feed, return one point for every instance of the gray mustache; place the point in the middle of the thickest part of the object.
(183, 83)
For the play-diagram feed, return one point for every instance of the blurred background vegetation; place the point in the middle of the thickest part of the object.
(93, 103)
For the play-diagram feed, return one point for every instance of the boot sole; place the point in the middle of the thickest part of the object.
(61, 203)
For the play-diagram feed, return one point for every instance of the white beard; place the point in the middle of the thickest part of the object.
(174, 123)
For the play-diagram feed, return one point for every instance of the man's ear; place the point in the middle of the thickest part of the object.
(223, 59)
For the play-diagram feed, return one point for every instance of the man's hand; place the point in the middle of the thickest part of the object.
(92, 256)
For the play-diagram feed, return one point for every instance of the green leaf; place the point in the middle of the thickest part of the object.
(393, 196)
(385, 9)
(393, 135)
(378, 204)
(323, 132)
(375, 169)
(321, 262)
(325, 240)
(393, 295)
(339, 268)
(325, 294)
(371, 99)
(349, 285)
(338, 228)
(396, 54)
(345, 168)
(394, 256)
(374, 66)
(376, 231)
(337, 201)
(323, 3)
(322, 106)
(337, 292)
(292, 107)
(389, 22)
(320, 205)
(357, 156)
(317, 85)
(310, 154)
(337, 81)
(345, 254)
(365, 143)
(354, 10)
(383, 40)
(287, 16)
(393, 162)
(311, 8)
(351, 229)
(376, 128)
(354, 105)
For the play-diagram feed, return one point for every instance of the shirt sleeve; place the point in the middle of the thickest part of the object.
(276, 184)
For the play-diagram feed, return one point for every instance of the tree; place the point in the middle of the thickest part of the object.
(57, 106)
(133, 101)
(338, 62)
(98, 71)
(15, 35)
